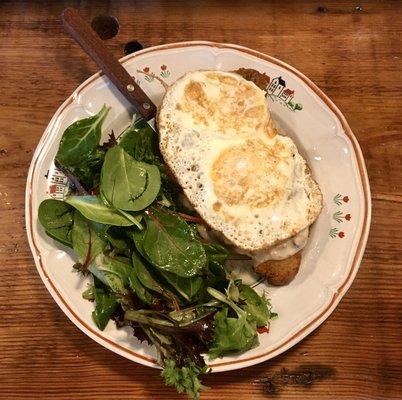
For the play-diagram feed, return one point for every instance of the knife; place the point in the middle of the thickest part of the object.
(90, 42)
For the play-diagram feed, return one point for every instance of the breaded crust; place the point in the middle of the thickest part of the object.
(258, 78)
(280, 272)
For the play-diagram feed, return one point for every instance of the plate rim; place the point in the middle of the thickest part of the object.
(304, 330)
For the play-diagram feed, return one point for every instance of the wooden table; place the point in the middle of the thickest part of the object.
(352, 50)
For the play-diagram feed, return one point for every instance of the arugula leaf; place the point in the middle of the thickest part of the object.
(169, 244)
(56, 217)
(256, 306)
(185, 379)
(128, 184)
(92, 208)
(80, 139)
(86, 239)
(232, 334)
(112, 271)
(105, 304)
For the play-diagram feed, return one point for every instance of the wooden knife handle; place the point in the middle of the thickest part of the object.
(83, 34)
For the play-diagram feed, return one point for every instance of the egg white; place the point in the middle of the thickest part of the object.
(244, 180)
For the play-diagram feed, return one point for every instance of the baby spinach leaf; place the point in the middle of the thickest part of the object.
(80, 139)
(144, 276)
(112, 271)
(256, 306)
(56, 217)
(232, 334)
(185, 287)
(126, 183)
(138, 238)
(119, 238)
(142, 293)
(135, 219)
(87, 172)
(105, 304)
(169, 244)
(141, 142)
(216, 253)
(86, 239)
(92, 208)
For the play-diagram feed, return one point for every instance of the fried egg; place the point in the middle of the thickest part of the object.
(244, 179)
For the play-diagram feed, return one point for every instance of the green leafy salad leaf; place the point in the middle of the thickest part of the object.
(57, 217)
(113, 272)
(187, 288)
(140, 141)
(257, 306)
(105, 304)
(92, 208)
(231, 333)
(170, 245)
(185, 379)
(148, 266)
(78, 151)
(119, 239)
(86, 239)
(128, 184)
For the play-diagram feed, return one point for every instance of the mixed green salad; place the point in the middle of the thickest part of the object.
(148, 266)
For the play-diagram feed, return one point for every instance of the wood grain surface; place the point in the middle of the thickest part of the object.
(352, 50)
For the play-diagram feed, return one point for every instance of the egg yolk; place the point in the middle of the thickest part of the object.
(252, 174)
(225, 105)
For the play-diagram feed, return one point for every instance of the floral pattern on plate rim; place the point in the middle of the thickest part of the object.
(339, 216)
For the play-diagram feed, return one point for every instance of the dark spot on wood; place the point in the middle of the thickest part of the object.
(359, 8)
(304, 376)
(132, 47)
(3, 152)
(106, 26)
(322, 9)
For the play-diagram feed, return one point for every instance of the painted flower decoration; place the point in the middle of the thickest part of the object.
(146, 70)
(348, 217)
(345, 199)
(165, 73)
(341, 234)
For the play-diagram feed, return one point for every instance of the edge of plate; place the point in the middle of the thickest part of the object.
(304, 330)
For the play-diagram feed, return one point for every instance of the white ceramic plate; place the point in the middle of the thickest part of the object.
(337, 241)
